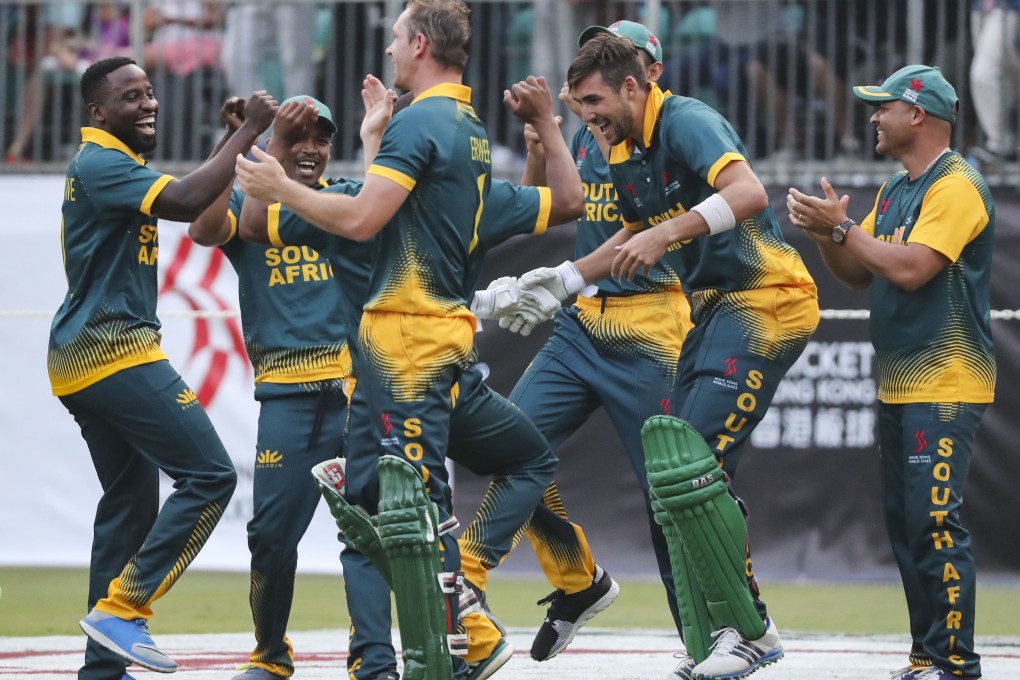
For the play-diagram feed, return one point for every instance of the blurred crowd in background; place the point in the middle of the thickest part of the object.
(779, 70)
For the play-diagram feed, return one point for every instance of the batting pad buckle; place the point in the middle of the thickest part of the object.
(457, 643)
(449, 526)
(451, 582)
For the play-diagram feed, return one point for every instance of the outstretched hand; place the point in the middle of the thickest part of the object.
(261, 178)
(817, 215)
(378, 106)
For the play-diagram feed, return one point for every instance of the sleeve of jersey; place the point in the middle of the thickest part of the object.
(952, 215)
(234, 212)
(287, 228)
(510, 210)
(703, 141)
(406, 150)
(118, 183)
(868, 223)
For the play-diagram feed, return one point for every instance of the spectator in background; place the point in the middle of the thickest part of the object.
(258, 33)
(50, 53)
(185, 36)
(995, 76)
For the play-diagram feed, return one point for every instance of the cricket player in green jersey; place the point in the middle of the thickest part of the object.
(487, 434)
(422, 198)
(925, 249)
(688, 195)
(296, 323)
(616, 334)
(136, 414)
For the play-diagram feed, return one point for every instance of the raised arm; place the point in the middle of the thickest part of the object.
(213, 226)
(185, 199)
(291, 124)
(355, 217)
(531, 101)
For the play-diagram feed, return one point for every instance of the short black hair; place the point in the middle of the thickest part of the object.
(94, 78)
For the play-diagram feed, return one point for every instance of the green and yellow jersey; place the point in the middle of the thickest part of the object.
(687, 145)
(601, 219)
(935, 344)
(110, 244)
(296, 318)
(510, 210)
(438, 150)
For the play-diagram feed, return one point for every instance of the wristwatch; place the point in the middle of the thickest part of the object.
(839, 231)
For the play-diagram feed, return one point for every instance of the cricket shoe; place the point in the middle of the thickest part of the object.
(907, 672)
(567, 613)
(474, 595)
(734, 657)
(684, 670)
(484, 668)
(387, 675)
(257, 673)
(128, 639)
(934, 673)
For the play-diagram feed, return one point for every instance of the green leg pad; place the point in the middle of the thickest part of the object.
(697, 624)
(353, 521)
(408, 527)
(690, 490)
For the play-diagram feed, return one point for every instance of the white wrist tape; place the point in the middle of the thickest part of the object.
(572, 279)
(717, 214)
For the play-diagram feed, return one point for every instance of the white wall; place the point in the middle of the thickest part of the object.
(48, 488)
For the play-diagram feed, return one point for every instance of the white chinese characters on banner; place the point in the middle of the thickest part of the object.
(826, 401)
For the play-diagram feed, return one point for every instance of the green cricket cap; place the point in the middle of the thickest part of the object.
(325, 115)
(637, 33)
(916, 84)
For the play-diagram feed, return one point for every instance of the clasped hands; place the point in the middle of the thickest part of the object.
(522, 303)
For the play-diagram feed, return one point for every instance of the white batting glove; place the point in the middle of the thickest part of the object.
(562, 281)
(534, 307)
(498, 299)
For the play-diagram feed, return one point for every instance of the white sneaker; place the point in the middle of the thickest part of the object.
(734, 657)
(684, 670)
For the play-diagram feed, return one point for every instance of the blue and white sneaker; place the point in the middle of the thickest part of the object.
(684, 669)
(484, 668)
(734, 657)
(129, 639)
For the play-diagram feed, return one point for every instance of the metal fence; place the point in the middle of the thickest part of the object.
(779, 70)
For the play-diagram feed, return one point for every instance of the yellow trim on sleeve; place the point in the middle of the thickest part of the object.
(273, 224)
(393, 175)
(634, 227)
(150, 196)
(233, 225)
(544, 208)
(717, 167)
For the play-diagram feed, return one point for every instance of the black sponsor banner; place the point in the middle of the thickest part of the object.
(812, 480)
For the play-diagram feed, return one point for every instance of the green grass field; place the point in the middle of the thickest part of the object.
(46, 601)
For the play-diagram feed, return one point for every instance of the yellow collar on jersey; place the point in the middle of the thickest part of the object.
(461, 93)
(107, 141)
(622, 151)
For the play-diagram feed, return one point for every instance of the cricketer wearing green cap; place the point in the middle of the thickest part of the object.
(925, 251)
(916, 84)
(632, 31)
(296, 316)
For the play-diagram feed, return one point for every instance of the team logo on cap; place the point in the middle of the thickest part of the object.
(913, 91)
